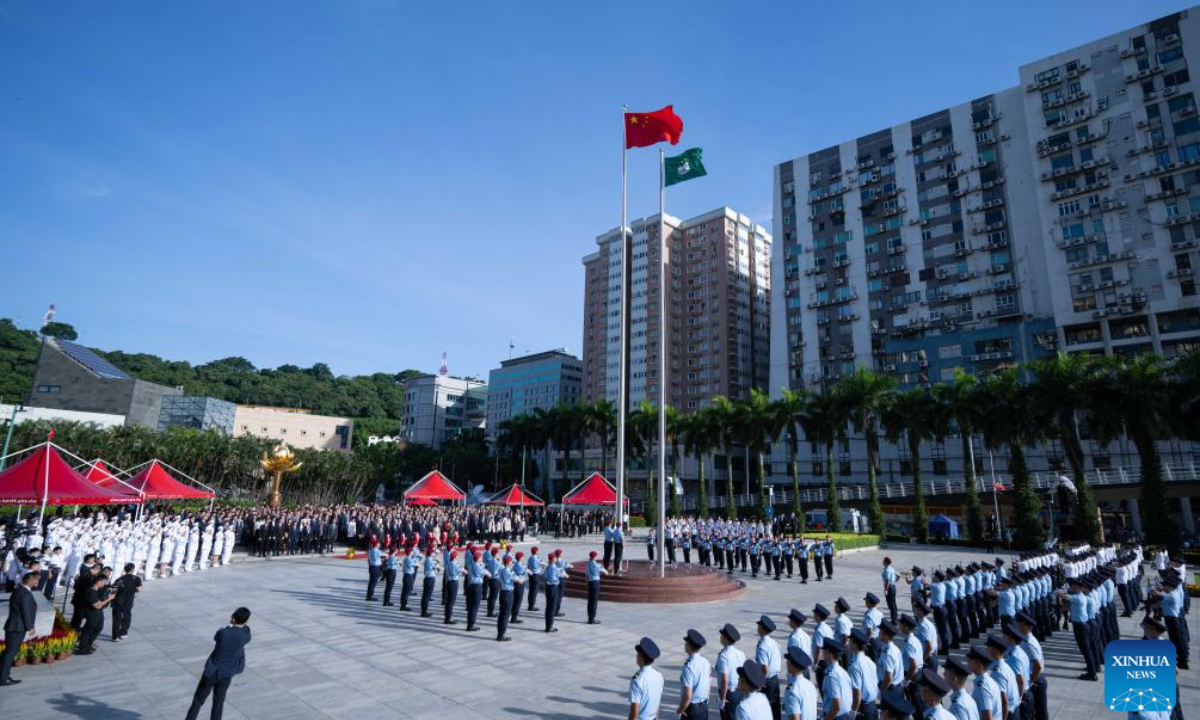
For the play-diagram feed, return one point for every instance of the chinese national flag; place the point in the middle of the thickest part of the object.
(645, 129)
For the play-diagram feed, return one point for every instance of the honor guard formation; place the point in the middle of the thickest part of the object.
(969, 646)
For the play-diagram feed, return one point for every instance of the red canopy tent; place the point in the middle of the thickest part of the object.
(43, 478)
(514, 496)
(101, 474)
(420, 501)
(593, 491)
(434, 486)
(153, 482)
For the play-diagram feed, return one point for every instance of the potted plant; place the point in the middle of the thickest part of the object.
(22, 656)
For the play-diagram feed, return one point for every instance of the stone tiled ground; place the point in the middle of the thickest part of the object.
(320, 651)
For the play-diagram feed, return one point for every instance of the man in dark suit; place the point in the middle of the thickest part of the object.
(22, 612)
(228, 658)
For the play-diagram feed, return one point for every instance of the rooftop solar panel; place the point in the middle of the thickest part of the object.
(90, 360)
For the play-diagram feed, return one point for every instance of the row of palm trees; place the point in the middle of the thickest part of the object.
(1062, 398)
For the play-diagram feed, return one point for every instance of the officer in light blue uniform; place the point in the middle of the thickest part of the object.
(520, 576)
(871, 619)
(837, 693)
(608, 542)
(933, 689)
(374, 569)
(1036, 690)
(593, 572)
(695, 680)
(1079, 623)
(508, 580)
(985, 692)
(1006, 679)
(412, 560)
(1019, 662)
(937, 603)
(890, 577)
(890, 661)
(799, 638)
(927, 635)
(646, 685)
(453, 572)
(729, 660)
(864, 677)
(754, 704)
(553, 577)
(430, 574)
(390, 567)
(768, 656)
(534, 565)
(475, 575)
(916, 584)
(962, 705)
(842, 624)
(801, 699)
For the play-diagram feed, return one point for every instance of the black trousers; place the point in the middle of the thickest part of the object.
(51, 584)
(819, 567)
(12, 645)
(92, 626)
(372, 580)
(803, 569)
(696, 711)
(551, 590)
(829, 566)
(618, 553)
(608, 548)
(534, 583)
(1041, 710)
(121, 617)
(506, 608)
(893, 611)
(451, 597)
(493, 592)
(772, 692)
(1084, 640)
(474, 596)
(218, 688)
(427, 594)
(733, 698)
(406, 588)
(593, 603)
(389, 582)
(868, 711)
(518, 595)
(1176, 633)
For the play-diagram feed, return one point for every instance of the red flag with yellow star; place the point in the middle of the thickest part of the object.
(645, 129)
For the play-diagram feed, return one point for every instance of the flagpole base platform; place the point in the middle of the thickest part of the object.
(639, 582)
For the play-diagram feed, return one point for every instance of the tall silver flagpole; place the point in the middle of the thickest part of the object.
(622, 398)
(662, 364)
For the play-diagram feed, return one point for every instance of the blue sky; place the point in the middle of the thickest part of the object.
(369, 183)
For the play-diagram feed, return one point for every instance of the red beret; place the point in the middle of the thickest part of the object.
(478, 555)
(495, 551)
(533, 549)
(453, 554)
(507, 559)
(593, 554)
(520, 554)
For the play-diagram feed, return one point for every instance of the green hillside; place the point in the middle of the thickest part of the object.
(375, 398)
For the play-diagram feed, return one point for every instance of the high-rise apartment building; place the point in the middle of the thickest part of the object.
(1057, 214)
(439, 407)
(718, 307)
(523, 384)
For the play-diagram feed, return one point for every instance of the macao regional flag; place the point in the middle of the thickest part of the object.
(685, 166)
(646, 129)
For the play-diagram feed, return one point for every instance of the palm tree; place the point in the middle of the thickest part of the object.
(790, 409)
(759, 426)
(723, 414)
(602, 420)
(1013, 420)
(913, 415)
(641, 429)
(1139, 395)
(1063, 386)
(959, 400)
(867, 395)
(545, 421)
(700, 438)
(825, 423)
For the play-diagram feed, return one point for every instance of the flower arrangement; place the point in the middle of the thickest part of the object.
(1193, 590)
(58, 645)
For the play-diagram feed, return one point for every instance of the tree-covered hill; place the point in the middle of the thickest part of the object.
(379, 395)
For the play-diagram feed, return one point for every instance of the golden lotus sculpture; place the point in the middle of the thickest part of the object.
(281, 460)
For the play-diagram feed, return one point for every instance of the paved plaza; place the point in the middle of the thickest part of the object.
(320, 651)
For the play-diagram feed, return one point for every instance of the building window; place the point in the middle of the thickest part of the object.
(49, 388)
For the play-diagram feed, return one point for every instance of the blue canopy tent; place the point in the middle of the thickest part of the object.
(941, 526)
